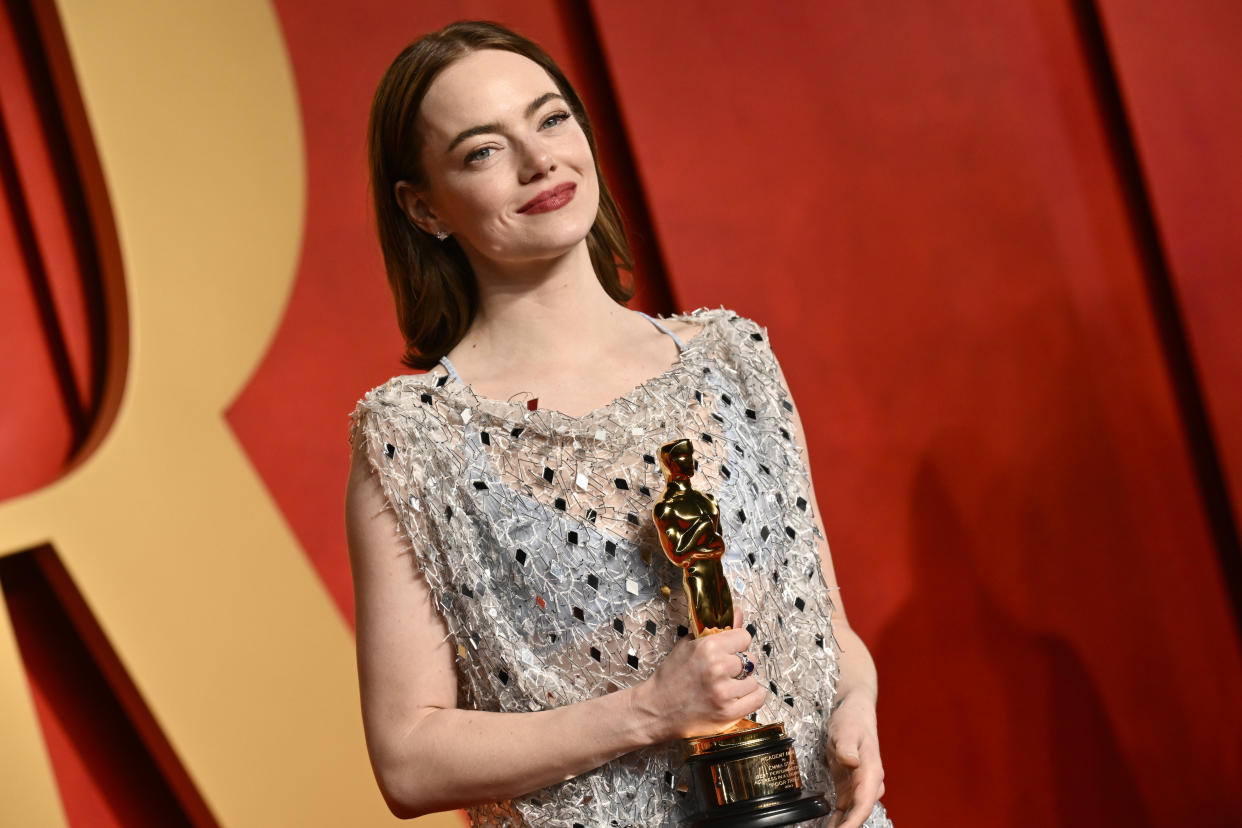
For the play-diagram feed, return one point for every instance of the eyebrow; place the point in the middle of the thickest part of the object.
(484, 129)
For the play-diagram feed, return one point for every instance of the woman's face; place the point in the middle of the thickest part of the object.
(509, 171)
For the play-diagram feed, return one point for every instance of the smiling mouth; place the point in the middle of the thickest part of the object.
(553, 199)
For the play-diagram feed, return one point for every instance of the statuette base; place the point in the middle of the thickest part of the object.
(748, 778)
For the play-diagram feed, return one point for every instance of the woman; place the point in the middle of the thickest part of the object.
(519, 651)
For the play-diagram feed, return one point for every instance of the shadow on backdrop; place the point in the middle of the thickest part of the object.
(954, 650)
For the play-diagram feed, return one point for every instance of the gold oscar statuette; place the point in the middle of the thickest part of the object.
(745, 776)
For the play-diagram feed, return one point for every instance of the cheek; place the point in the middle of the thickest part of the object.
(590, 177)
(470, 202)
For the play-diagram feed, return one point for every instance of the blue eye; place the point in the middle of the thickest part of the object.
(479, 154)
(555, 119)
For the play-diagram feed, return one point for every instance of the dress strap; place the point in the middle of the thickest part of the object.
(448, 366)
(681, 346)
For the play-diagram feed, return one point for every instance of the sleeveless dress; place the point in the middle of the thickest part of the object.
(534, 532)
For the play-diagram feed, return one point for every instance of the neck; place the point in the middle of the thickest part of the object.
(532, 311)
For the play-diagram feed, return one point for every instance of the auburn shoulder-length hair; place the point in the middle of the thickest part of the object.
(432, 282)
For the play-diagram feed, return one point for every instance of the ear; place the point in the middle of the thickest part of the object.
(416, 208)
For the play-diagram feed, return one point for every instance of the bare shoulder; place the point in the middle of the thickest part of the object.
(686, 327)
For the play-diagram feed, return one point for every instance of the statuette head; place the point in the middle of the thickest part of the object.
(677, 459)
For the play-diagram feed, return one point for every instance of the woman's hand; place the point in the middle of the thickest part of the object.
(695, 690)
(854, 760)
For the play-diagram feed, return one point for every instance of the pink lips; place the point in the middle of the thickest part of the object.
(553, 199)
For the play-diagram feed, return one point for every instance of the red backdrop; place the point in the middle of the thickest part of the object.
(993, 244)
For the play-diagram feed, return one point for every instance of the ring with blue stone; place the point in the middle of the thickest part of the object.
(747, 667)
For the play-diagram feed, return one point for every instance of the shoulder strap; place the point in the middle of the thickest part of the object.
(681, 346)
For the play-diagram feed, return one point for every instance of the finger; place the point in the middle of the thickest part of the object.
(731, 640)
(837, 815)
(867, 784)
(845, 797)
(856, 815)
(737, 615)
(849, 760)
(727, 692)
(737, 665)
(730, 664)
(845, 743)
(843, 784)
(750, 702)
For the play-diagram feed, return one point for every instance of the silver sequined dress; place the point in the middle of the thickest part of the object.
(534, 532)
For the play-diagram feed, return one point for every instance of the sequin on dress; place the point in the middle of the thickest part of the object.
(534, 532)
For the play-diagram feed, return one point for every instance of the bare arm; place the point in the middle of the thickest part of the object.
(428, 755)
(854, 750)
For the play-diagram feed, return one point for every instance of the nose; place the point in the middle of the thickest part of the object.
(537, 160)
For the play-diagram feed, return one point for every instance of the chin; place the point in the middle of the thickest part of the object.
(555, 248)
(556, 241)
